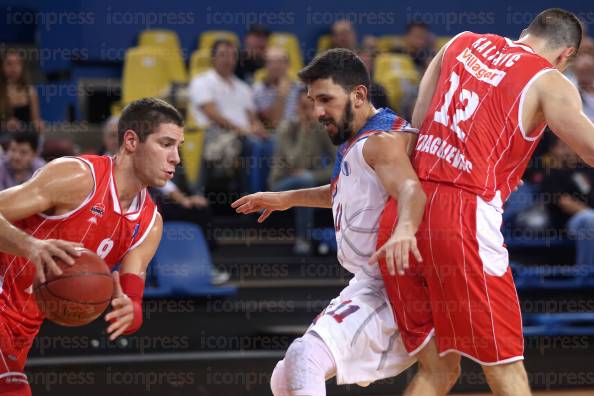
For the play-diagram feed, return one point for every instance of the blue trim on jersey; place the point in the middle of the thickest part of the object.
(380, 122)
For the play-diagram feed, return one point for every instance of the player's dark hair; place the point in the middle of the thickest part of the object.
(341, 65)
(144, 116)
(217, 44)
(30, 137)
(558, 27)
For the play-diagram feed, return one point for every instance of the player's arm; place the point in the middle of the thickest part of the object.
(61, 184)
(387, 155)
(427, 89)
(268, 202)
(126, 314)
(561, 105)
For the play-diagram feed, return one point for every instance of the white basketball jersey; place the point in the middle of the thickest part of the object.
(359, 200)
(358, 196)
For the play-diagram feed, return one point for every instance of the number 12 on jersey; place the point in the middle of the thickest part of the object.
(469, 99)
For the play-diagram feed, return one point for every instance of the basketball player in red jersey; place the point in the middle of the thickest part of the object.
(97, 202)
(482, 107)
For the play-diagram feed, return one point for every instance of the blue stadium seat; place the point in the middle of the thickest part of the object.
(564, 323)
(182, 264)
(552, 277)
(518, 235)
(325, 236)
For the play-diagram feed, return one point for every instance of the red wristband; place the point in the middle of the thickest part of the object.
(133, 287)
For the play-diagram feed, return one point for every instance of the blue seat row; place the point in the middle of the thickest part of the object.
(182, 266)
(553, 277)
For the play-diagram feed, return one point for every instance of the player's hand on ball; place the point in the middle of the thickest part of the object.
(267, 202)
(397, 250)
(122, 314)
(42, 253)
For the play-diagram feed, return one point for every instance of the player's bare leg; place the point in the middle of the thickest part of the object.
(435, 375)
(508, 379)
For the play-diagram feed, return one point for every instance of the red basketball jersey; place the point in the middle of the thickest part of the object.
(472, 136)
(98, 223)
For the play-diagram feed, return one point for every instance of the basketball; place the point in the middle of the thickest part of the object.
(80, 294)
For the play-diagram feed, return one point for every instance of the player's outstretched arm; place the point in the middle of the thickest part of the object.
(562, 107)
(387, 155)
(268, 202)
(60, 185)
(126, 314)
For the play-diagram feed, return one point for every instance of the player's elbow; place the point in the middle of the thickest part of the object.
(414, 191)
(586, 152)
(420, 196)
(588, 158)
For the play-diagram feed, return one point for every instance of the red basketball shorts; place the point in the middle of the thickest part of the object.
(462, 293)
(13, 355)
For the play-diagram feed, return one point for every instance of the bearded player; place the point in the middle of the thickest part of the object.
(482, 108)
(355, 338)
(97, 202)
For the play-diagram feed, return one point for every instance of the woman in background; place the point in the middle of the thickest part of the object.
(19, 103)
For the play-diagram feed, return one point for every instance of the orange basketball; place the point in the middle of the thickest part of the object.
(80, 294)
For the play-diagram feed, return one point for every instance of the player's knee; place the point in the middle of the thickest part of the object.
(506, 372)
(454, 373)
(444, 371)
(278, 380)
(295, 353)
(304, 367)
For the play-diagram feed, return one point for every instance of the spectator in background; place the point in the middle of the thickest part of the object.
(20, 161)
(343, 35)
(569, 195)
(587, 46)
(584, 75)
(252, 56)
(219, 99)
(224, 105)
(276, 96)
(304, 158)
(377, 93)
(109, 134)
(416, 44)
(19, 103)
(371, 44)
(56, 148)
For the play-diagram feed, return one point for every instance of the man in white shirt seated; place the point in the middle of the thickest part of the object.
(224, 106)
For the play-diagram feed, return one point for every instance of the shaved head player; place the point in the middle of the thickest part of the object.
(97, 202)
(482, 108)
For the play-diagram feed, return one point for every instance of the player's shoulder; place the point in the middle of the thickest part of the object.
(383, 142)
(549, 81)
(66, 174)
(72, 167)
(462, 36)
